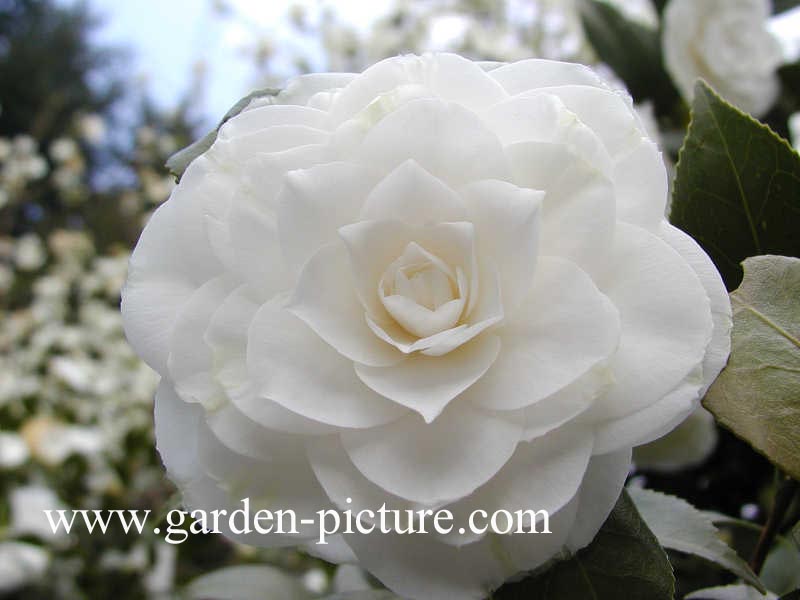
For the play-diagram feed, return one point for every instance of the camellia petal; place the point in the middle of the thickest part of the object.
(326, 300)
(720, 346)
(427, 384)
(172, 259)
(442, 461)
(190, 358)
(599, 492)
(535, 73)
(314, 203)
(578, 211)
(445, 139)
(507, 222)
(448, 76)
(565, 328)
(292, 366)
(655, 354)
(411, 194)
(545, 473)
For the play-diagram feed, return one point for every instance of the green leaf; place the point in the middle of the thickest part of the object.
(364, 595)
(623, 561)
(245, 582)
(779, 6)
(730, 592)
(757, 395)
(178, 162)
(631, 49)
(659, 5)
(737, 186)
(781, 571)
(790, 79)
(680, 526)
(796, 534)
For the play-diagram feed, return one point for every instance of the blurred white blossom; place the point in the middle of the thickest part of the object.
(21, 563)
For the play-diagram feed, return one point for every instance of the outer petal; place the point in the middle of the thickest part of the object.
(326, 300)
(435, 462)
(565, 328)
(543, 117)
(196, 459)
(720, 346)
(448, 76)
(411, 194)
(255, 248)
(542, 475)
(284, 479)
(578, 213)
(277, 138)
(566, 404)
(346, 486)
(227, 337)
(651, 422)
(301, 89)
(172, 259)
(608, 113)
(666, 324)
(445, 139)
(190, 358)
(601, 487)
(537, 73)
(427, 384)
(292, 366)
(420, 567)
(688, 445)
(262, 117)
(507, 222)
(640, 179)
(314, 203)
(176, 425)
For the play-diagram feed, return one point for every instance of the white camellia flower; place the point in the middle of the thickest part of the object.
(725, 42)
(436, 284)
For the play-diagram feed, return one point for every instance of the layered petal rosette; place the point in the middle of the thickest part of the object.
(727, 43)
(435, 284)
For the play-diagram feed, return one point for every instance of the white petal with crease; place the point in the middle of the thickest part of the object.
(427, 384)
(434, 462)
(292, 366)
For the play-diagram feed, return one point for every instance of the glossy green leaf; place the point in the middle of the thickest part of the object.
(680, 526)
(623, 561)
(781, 571)
(737, 186)
(178, 162)
(245, 582)
(779, 6)
(730, 592)
(364, 595)
(631, 49)
(757, 395)
(659, 5)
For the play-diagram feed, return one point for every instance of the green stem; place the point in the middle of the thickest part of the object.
(783, 499)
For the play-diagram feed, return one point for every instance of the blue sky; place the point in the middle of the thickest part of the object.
(168, 37)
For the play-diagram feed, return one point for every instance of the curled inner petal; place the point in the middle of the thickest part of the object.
(422, 293)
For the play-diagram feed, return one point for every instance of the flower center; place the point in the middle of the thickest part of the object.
(422, 293)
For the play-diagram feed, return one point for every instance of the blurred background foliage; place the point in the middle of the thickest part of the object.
(82, 149)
